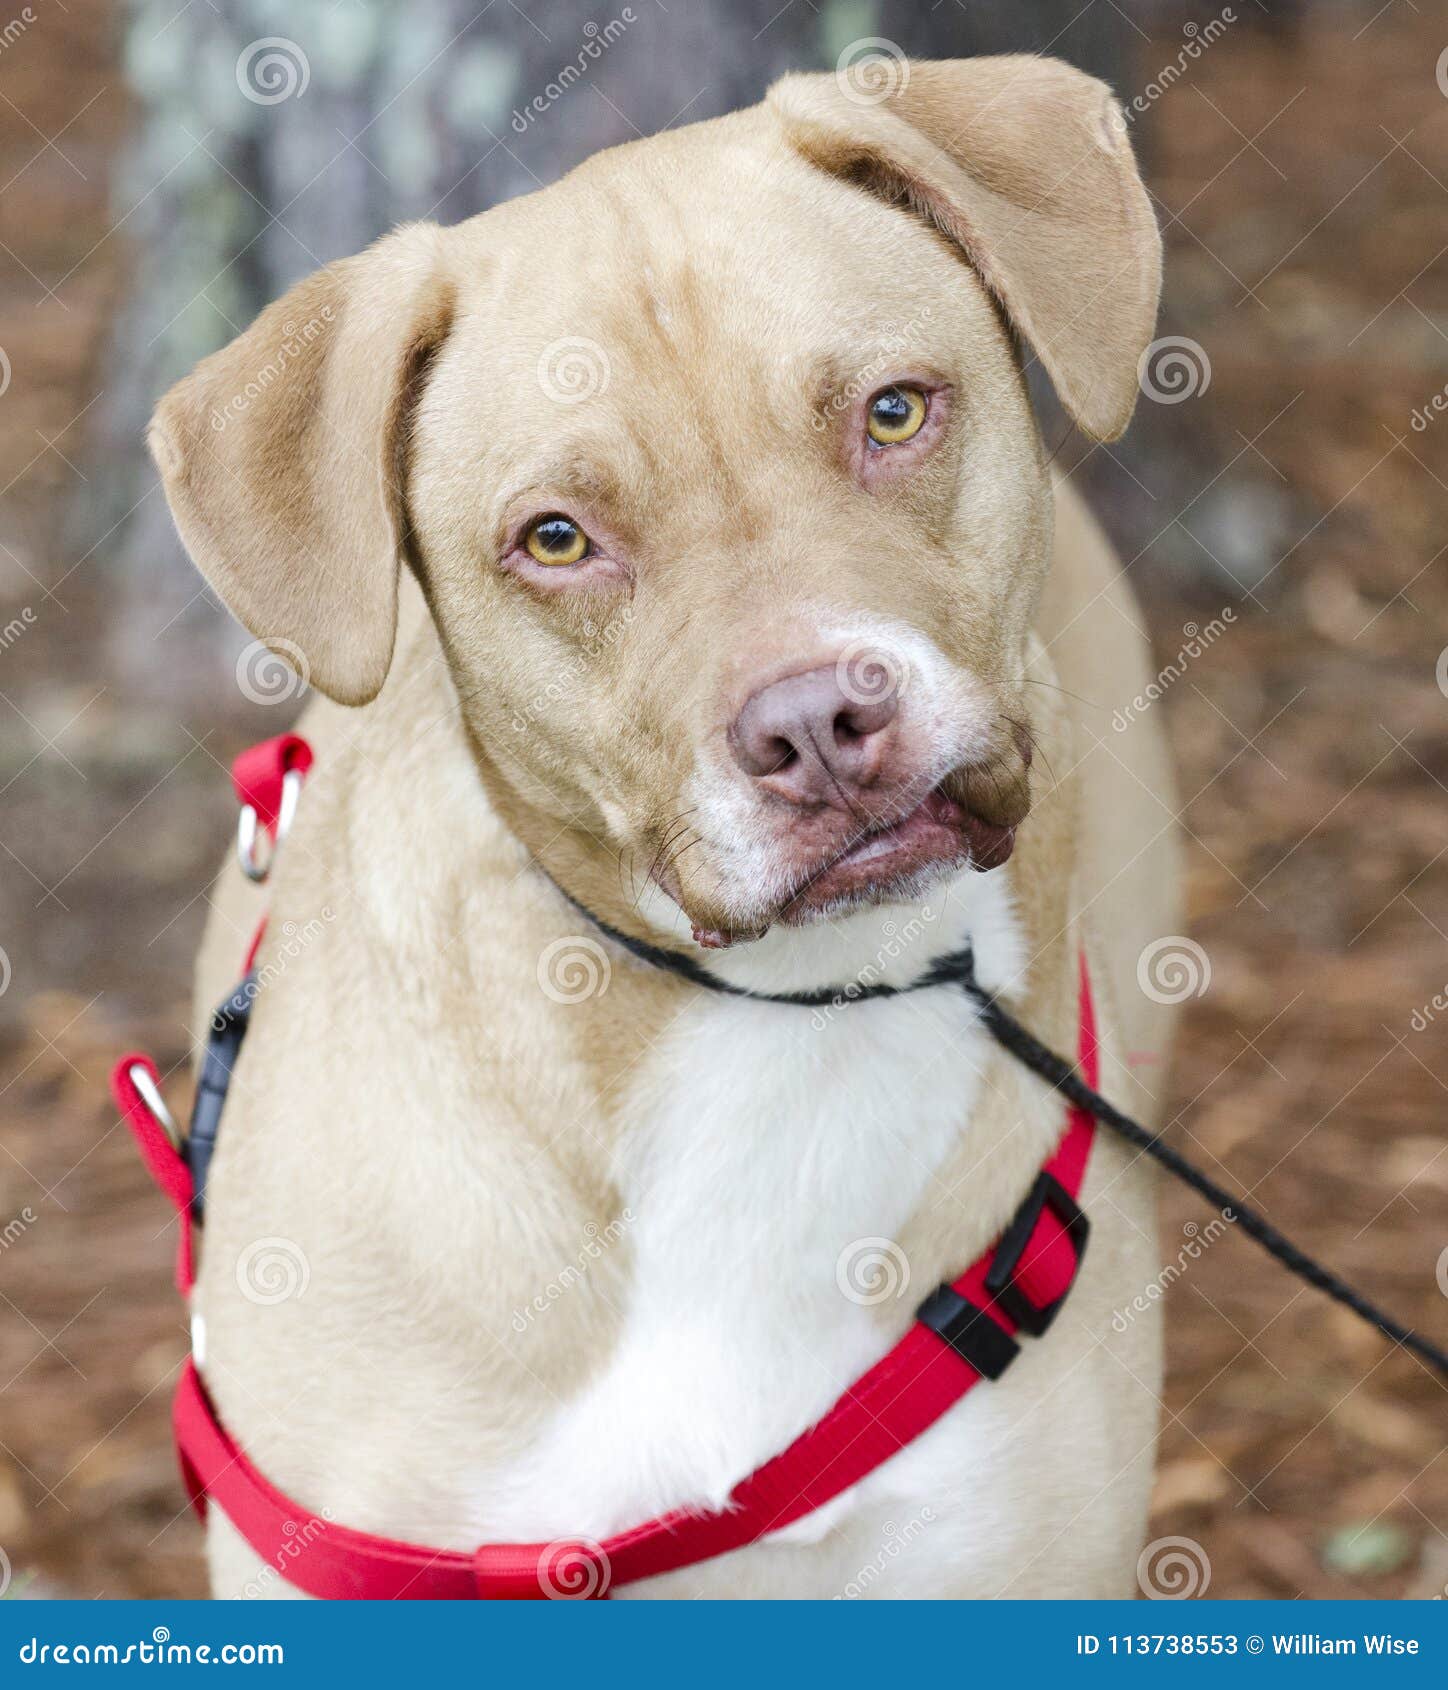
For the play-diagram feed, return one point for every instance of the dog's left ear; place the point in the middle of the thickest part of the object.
(1024, 164)
(284, 457)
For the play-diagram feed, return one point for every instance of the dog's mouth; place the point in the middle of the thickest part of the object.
(940, 833)
(896, 856)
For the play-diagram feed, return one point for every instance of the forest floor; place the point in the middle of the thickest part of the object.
(1301, 182)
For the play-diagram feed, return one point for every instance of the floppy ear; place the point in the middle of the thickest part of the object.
(284, 458)
(1025, 165)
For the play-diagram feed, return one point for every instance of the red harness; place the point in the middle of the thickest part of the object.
(963, 1333)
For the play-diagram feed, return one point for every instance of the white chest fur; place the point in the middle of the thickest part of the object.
(778, 1155)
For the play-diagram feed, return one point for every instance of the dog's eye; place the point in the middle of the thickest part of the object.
(556, 539)
(895, 415)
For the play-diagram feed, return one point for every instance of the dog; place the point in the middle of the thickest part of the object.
(677, 545)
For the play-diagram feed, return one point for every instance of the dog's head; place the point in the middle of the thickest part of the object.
(717, 469)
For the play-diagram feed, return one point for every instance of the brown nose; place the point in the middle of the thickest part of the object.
(808, 741)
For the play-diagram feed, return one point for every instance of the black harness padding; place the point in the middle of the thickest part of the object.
(223, 1045)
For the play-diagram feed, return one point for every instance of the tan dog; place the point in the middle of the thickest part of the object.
(740, 613)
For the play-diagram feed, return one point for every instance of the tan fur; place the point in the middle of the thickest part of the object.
(1025, 163)
(408, 1104)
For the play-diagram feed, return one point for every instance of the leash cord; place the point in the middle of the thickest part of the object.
(1060, 1074)
(959, 969)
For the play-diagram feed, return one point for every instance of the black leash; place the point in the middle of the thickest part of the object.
(958, 969)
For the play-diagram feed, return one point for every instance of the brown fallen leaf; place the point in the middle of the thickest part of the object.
(1430, 1582)
(1386, 1426)
(13, 1525)
(1190, 1481)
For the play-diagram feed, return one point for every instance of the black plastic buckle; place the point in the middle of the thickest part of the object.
(223, 1046)
(1047, 1192)
(969, 1331)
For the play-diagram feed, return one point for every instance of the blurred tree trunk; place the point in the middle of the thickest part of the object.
(272, 139)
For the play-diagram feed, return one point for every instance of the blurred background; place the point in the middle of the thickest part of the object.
(168, 168)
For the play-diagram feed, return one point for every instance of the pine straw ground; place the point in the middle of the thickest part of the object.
(1313, 744)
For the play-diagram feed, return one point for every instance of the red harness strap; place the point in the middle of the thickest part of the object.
(257, 775)
(164, 1162)
(964, 1332)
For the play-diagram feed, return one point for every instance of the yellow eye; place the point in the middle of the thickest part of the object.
(896, 414)
(556, 539)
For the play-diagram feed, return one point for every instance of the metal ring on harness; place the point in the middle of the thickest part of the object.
(150, 1095)
(247, 830)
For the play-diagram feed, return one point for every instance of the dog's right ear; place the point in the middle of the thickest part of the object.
(1024, 165)
(284, 458)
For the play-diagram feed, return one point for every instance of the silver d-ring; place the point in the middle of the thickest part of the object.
(150, 1095)
(247, 830)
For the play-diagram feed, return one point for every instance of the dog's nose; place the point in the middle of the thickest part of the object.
(809, 741)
